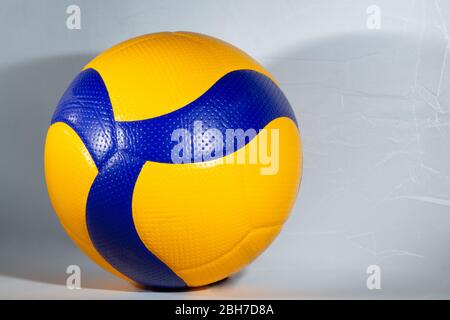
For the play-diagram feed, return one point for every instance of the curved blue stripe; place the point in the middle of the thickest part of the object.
(111, 227)
(242, 99)
(85, 106)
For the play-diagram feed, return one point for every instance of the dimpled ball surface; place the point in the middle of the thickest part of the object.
(114, 185)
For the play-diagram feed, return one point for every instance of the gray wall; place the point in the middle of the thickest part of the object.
(374, 113)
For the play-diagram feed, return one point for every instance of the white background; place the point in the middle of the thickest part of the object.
(374, 113)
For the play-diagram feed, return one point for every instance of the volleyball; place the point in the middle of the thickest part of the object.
(173, 160)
